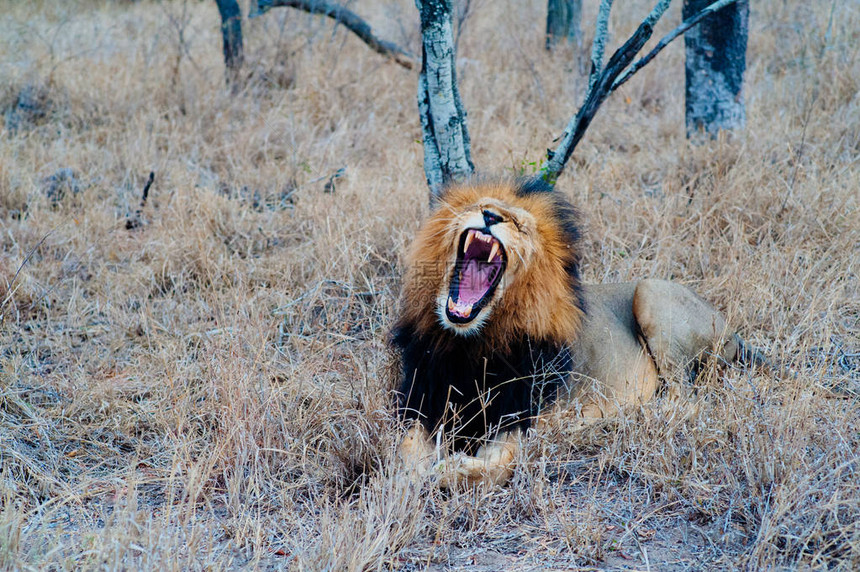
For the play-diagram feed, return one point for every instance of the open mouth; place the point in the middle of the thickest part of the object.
(480, 264)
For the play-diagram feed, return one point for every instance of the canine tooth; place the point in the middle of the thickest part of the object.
(450, 304)
(467, 311)
(493, 252)
(469, 238)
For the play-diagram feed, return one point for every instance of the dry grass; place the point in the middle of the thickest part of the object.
(210, 390)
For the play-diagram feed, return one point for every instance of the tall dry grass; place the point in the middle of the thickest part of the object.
(211, 390)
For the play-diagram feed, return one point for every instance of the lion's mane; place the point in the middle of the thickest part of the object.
(500, 376)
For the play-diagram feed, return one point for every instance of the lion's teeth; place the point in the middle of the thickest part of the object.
(467, 311)
(493, 252)
(450, 304)
(469, 238)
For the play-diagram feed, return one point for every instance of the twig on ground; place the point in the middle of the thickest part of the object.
(134, 221)
(330, 184)
(8, 295)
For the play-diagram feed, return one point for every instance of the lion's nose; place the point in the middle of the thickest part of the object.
(491, 218)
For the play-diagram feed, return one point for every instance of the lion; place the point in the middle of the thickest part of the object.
(495, 329)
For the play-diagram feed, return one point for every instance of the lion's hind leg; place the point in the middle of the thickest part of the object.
(680, 328)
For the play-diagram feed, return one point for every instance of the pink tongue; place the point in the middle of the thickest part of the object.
(474, 282)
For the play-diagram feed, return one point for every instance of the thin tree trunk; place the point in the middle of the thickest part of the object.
(563, 18)
(231, 35)
(716, 61)
(447, 154)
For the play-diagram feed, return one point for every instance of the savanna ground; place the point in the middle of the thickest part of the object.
(212, 389)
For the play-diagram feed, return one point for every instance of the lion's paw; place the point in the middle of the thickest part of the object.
(458, 470)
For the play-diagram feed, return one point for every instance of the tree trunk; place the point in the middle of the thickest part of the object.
(716, 61)
(563, 19)
(231, 35)
(443, 121)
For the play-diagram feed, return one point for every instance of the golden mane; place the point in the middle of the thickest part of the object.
(539, 299)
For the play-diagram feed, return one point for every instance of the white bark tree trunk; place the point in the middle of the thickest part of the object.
(716, 61)
(447, 154)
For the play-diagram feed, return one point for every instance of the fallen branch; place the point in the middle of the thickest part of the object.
(349, 19)
(668, 39)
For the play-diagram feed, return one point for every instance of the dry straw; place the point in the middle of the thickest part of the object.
(209, 389)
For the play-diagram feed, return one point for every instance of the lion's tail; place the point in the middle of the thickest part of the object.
(751, 356)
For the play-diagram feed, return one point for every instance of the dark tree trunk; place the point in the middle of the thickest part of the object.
(563, 19)
(716, 60)
(231, 34)
(447, 156)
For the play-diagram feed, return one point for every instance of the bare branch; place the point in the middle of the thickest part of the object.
(463, 11)
(597, 93)
(669, 38)
(598, 45)
(349, 19)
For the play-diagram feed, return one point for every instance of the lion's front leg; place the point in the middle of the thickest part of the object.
(416, 454)
(493, 465)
